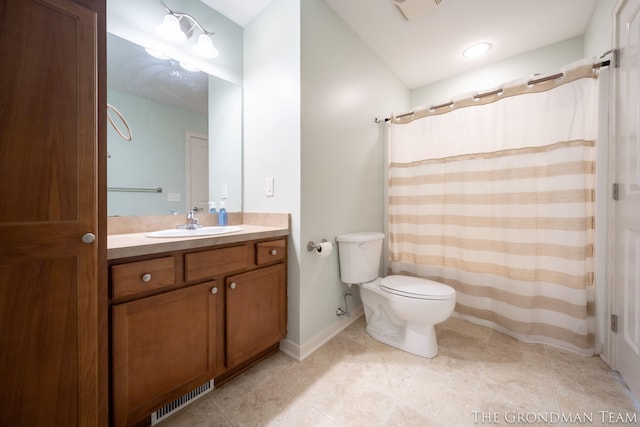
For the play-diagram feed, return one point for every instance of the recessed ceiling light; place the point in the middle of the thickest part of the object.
(476, 50)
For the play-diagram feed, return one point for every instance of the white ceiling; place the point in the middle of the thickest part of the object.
(239, 11)
(132, 70)
(429, 48)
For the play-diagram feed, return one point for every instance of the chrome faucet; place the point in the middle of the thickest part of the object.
(192, 221)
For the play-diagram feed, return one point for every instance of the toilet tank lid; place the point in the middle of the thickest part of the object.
(364, 236)
(416, 287)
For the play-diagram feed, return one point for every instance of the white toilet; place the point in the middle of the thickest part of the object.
(400, 311)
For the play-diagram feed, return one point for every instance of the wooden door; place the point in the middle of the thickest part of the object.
(626, 137)
(197, 172)
(256, 312)
(52, 328)
(163, 347)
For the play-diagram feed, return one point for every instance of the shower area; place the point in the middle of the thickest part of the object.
(494, 194)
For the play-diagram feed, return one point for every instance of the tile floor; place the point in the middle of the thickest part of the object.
(480, 377)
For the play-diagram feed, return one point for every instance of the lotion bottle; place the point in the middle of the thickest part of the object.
(222, 215)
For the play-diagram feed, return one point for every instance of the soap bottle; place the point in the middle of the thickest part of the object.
(212, 208)
(222, 215)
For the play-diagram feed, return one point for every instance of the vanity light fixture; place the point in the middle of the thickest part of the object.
(188, 67)
(204, 47)
(178, 27)
(170, 29)
(156, 53)
(476, 50)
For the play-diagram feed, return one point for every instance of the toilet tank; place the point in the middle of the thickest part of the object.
(359, 255)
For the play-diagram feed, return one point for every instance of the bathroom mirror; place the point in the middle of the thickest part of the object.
(186, 135)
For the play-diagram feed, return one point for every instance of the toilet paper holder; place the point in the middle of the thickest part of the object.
(314, 247)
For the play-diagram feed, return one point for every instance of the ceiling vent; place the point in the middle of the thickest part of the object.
(413, 9)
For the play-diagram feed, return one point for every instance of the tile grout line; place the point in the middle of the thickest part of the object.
(553, 379)
(308, 402)
(219, 410)
(298, 398)
(396, 400)
(260, 376)
(481, 379)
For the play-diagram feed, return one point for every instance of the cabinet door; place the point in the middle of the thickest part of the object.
(256, 312)
(163, 346)
(53, 335)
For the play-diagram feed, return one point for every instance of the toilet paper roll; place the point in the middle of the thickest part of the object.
(324, 249)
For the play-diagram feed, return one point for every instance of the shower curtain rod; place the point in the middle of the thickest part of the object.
(494, 93)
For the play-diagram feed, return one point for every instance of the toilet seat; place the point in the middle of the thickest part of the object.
(416, 287)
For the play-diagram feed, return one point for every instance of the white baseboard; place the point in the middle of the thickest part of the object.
(300, 352)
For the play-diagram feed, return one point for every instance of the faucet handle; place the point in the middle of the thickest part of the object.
(192, 221)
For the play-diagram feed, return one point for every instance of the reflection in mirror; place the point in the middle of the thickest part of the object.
(161, 103)
(186, 129)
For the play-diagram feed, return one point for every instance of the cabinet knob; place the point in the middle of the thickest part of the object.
(274, 252)
(233, 285)
(214, 290)
(146, 277)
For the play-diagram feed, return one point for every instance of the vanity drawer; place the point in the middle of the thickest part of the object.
(268, 252)
(142, 276)
(207, 264)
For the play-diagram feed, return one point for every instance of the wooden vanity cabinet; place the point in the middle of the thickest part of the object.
(256, 307)
(163, 346)
(180, 319)
(143, 276)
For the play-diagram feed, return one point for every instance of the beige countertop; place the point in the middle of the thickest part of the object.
(137, 244)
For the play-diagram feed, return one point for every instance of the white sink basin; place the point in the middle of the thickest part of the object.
(198, 232)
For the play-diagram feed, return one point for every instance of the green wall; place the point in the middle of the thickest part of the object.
(154, 158)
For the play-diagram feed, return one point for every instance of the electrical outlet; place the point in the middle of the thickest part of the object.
(223, 191)
(269, 187)
(173, 197)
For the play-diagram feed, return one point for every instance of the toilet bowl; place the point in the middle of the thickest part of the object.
(400, 311)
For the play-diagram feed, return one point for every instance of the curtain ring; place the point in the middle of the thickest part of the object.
(124, 121)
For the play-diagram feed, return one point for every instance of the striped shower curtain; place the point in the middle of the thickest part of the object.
(497, 201)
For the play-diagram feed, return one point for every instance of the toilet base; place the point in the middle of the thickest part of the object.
(422, 343)
(404, 323)
(382, 325)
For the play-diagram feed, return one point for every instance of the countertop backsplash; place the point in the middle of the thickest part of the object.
(143, 224)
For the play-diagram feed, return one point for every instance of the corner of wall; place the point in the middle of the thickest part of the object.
(301, 352)
(598, 36)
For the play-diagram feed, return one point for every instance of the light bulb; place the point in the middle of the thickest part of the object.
(170, 29)
(204, 48)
